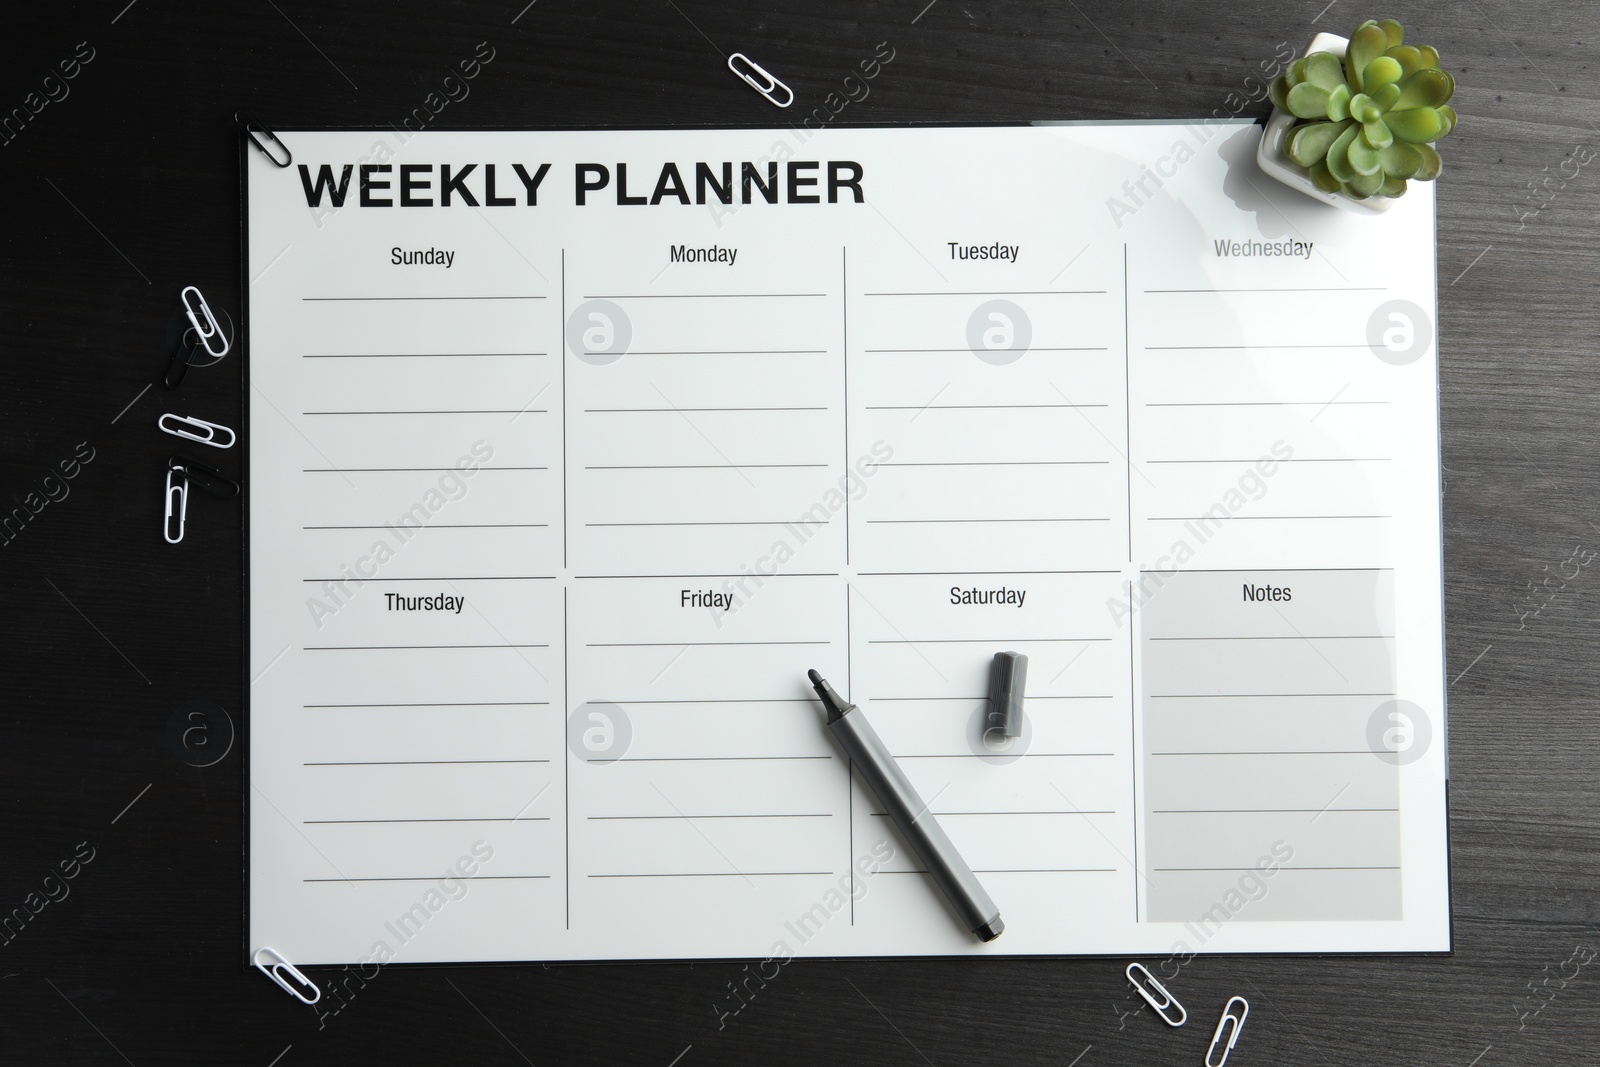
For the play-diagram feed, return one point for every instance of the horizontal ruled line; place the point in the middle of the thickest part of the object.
(1264, 811)
(974, 407)
(1033, 870)
(471, 704)
(1286, 752)
(420, 762)
(704, 466)
(1225, 348)
(948, 814)
(418, 355)
(911, 574)
(676, 411)
(446, 578)
(775, 522)
(1233, 518)
(724, 352)
(762, 815)
(393, 648)
(435, 878)
(1016, 292)
(1306, 289)
(1019, 755)
(969, 351)
(1239, 696)
(987, 640)
(471, 411)
(1296, 459)
(1267, 403)
(694, 644)
(723, 574)
(1031, 696)
(1282, 637)
(318, 299)
(718, 874)
(436, 526)
(407, 470)
(702, 296)
(408, 821)
(1008, 463)
(872, 522)
(1268, 570)
(1181, 870)
(704, 759)
(723, 700)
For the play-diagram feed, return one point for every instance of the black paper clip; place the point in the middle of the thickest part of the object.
(251, 124)
(207, 479)
(182, 470)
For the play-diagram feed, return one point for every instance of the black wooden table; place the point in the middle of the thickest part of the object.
(120, 185)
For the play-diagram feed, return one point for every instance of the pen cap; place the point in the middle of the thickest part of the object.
(1008, 678)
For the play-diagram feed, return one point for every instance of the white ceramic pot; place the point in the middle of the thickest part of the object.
(1270, 157)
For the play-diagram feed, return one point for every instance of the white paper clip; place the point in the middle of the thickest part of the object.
(772, 83)
(1144, 987)
(193, 429)
(276, 966)
(207, 330)
(1233, 1031)
(177, 505)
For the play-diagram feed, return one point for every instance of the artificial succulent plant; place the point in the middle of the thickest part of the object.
(1368, 122)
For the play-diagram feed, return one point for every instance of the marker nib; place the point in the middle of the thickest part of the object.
(835, 704)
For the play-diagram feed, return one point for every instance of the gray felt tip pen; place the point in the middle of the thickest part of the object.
(915, 822)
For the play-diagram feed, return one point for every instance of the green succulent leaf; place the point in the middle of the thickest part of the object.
(1409, 58)
(1366, 44)
(1324, 70)
(1364, 185)
(1430, 56)
(1425, 88)
(1295, 74)
(1339, 155)
(1394, 31)
(1309, 144)
(1278, 92)
(1385, 70)
(1377, 134)
(1417, 126)
(1448, 114)
(1339, 102)
(1308, 101)
(1363, 157)
(1392, 187)
(1323, 179)
(1400, 160)
(1431, 163)
(1385, 98)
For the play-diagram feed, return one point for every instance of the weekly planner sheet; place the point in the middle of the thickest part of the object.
(571, 452)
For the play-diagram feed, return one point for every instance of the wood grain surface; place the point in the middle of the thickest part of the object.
(126, 188)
